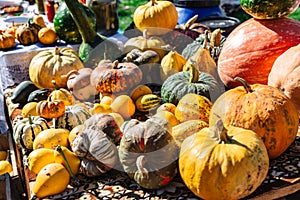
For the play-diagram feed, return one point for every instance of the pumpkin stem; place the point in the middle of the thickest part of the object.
(244, 83)
(30, 119)
(153, 2)
(205, 45)
(59, 149)
(115, 64)
(55, 124)
(215, 38)
(55, 85)
(140, 162)
(189, 23)
(145, 34)
(222, 132)
(194, 72)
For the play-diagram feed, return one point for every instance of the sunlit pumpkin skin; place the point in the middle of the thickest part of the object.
(223, 163)
(7, 41)
(263, 109)
(251, 49)
(159, 17)
(148, 153)
(114, 77)
(53, 64)
(61, 94)
(284, 74)
(50, 109)
(269, 9)
(191, 81)
(26, 129)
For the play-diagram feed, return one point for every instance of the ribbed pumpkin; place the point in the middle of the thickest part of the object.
(96, 144)
(171, 63)
(26, 129)
(261, 108)
(7, 41)
(147, 102)
(191, 81)
(114, 77)
(53, 64)
(223, 163)
(50, 109)
(27, 34)
(148, 153)
(146, 42)
(251, 49)
(159, 17)
(284, 74)
(61, 94)
(73, 116)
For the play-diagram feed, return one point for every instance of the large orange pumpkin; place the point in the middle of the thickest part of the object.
(251, 49)
(261, 108)
(285, 74)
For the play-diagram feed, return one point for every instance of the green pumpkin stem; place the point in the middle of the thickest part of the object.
(55, 124)
(30, 119)
(153, 2)
(59, 149)
(244, 83)
(55, 85)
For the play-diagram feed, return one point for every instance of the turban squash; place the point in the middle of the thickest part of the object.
(261, 108)
(148, 153)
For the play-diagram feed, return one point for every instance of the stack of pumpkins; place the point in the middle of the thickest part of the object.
(219, 141)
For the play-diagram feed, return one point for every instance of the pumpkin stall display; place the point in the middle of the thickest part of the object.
(189, 81)
(114, 77)
(7, 41)
(159, 17)
(261, 108)
(284, 74)
(27, 34)
(148, 153)
(26, 129)
(223, 162)
(251, 49)
(53, 64)
(96, 144)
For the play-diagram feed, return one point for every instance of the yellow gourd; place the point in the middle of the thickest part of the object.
(52, 179)
(72, 159)
(50, 138)
(5, 167)
(3, 155)
(39, 158)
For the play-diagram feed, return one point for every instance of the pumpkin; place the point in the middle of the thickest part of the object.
(39, 95)
(22, 91)
(50, 109)
(95, 146)
(73, 116)
(185, 129)
(146, 42)
(53, 64)
(79, 83)
(190, 81)
(123, 105)
(114, 77)
(251, 49)
(27, 34)
(47, 36)
(26, 129)
(223, 162)
(269, 9)
(171, 63)
(7, 41)
(140, 90)
(159, 17)
(148, 153)
(284, 74)
(29, 109)
(51, 138)
(261, 108)
(193, 106)
(61, 94)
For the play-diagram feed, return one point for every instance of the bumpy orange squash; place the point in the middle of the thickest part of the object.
(261, 108)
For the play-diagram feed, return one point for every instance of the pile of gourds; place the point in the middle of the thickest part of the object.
(154, 113)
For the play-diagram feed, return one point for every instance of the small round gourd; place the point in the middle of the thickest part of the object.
(61, 94)
(7, 41)
(50, 109)
(27, 34)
